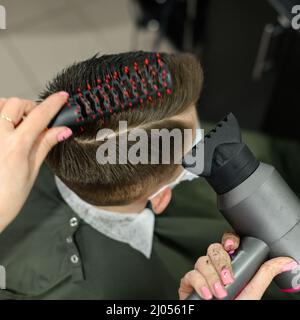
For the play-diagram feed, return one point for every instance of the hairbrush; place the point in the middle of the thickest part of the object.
(128, 88)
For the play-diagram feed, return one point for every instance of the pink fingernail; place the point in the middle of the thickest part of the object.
(64, 94)
(220, 291)
(289, 266)
(228, 244)
(226, 277)
(65, 135)
(206, 294)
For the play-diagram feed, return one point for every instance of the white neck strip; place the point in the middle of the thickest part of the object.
(135, 229)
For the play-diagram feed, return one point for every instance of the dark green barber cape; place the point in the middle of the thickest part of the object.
(50, 253)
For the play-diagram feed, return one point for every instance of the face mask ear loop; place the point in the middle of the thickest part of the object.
(157, 192)
(175, 182)
(183, 173)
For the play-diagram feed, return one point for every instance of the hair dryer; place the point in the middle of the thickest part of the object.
(255, 200)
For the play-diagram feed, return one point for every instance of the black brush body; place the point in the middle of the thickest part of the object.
(127, 89)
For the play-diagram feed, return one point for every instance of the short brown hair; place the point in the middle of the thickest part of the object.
(74, 161)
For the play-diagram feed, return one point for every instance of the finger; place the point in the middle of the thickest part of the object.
(12, 112)
(46, 141)
(230, 241)
(2, 102)
(263, 278)
(221, 262)
(14, 109)
(193, 280)
(4, 124)
(206, 268)
(39, 118)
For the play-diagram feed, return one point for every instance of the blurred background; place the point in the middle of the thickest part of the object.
(248, 49)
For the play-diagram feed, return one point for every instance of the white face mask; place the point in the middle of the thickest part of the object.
(185, 174)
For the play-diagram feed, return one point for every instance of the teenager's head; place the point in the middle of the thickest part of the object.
(74, 160)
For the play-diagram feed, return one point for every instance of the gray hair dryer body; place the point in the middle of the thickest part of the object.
(255, 200)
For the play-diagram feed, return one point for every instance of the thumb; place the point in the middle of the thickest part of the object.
(46, 141)
(263, 278)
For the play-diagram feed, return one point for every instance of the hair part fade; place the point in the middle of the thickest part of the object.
(74, 160)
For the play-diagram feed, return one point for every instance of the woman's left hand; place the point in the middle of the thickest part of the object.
(24, 143)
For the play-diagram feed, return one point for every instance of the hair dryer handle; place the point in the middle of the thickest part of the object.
(249, 257)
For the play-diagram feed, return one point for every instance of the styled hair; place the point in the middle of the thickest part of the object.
(74, 160)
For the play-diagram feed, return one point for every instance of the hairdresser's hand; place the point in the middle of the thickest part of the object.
(213, 272)
(24, 144)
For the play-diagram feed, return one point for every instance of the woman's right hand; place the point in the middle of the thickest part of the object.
(213, 272)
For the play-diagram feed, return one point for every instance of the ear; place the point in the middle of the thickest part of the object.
(161, 201)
